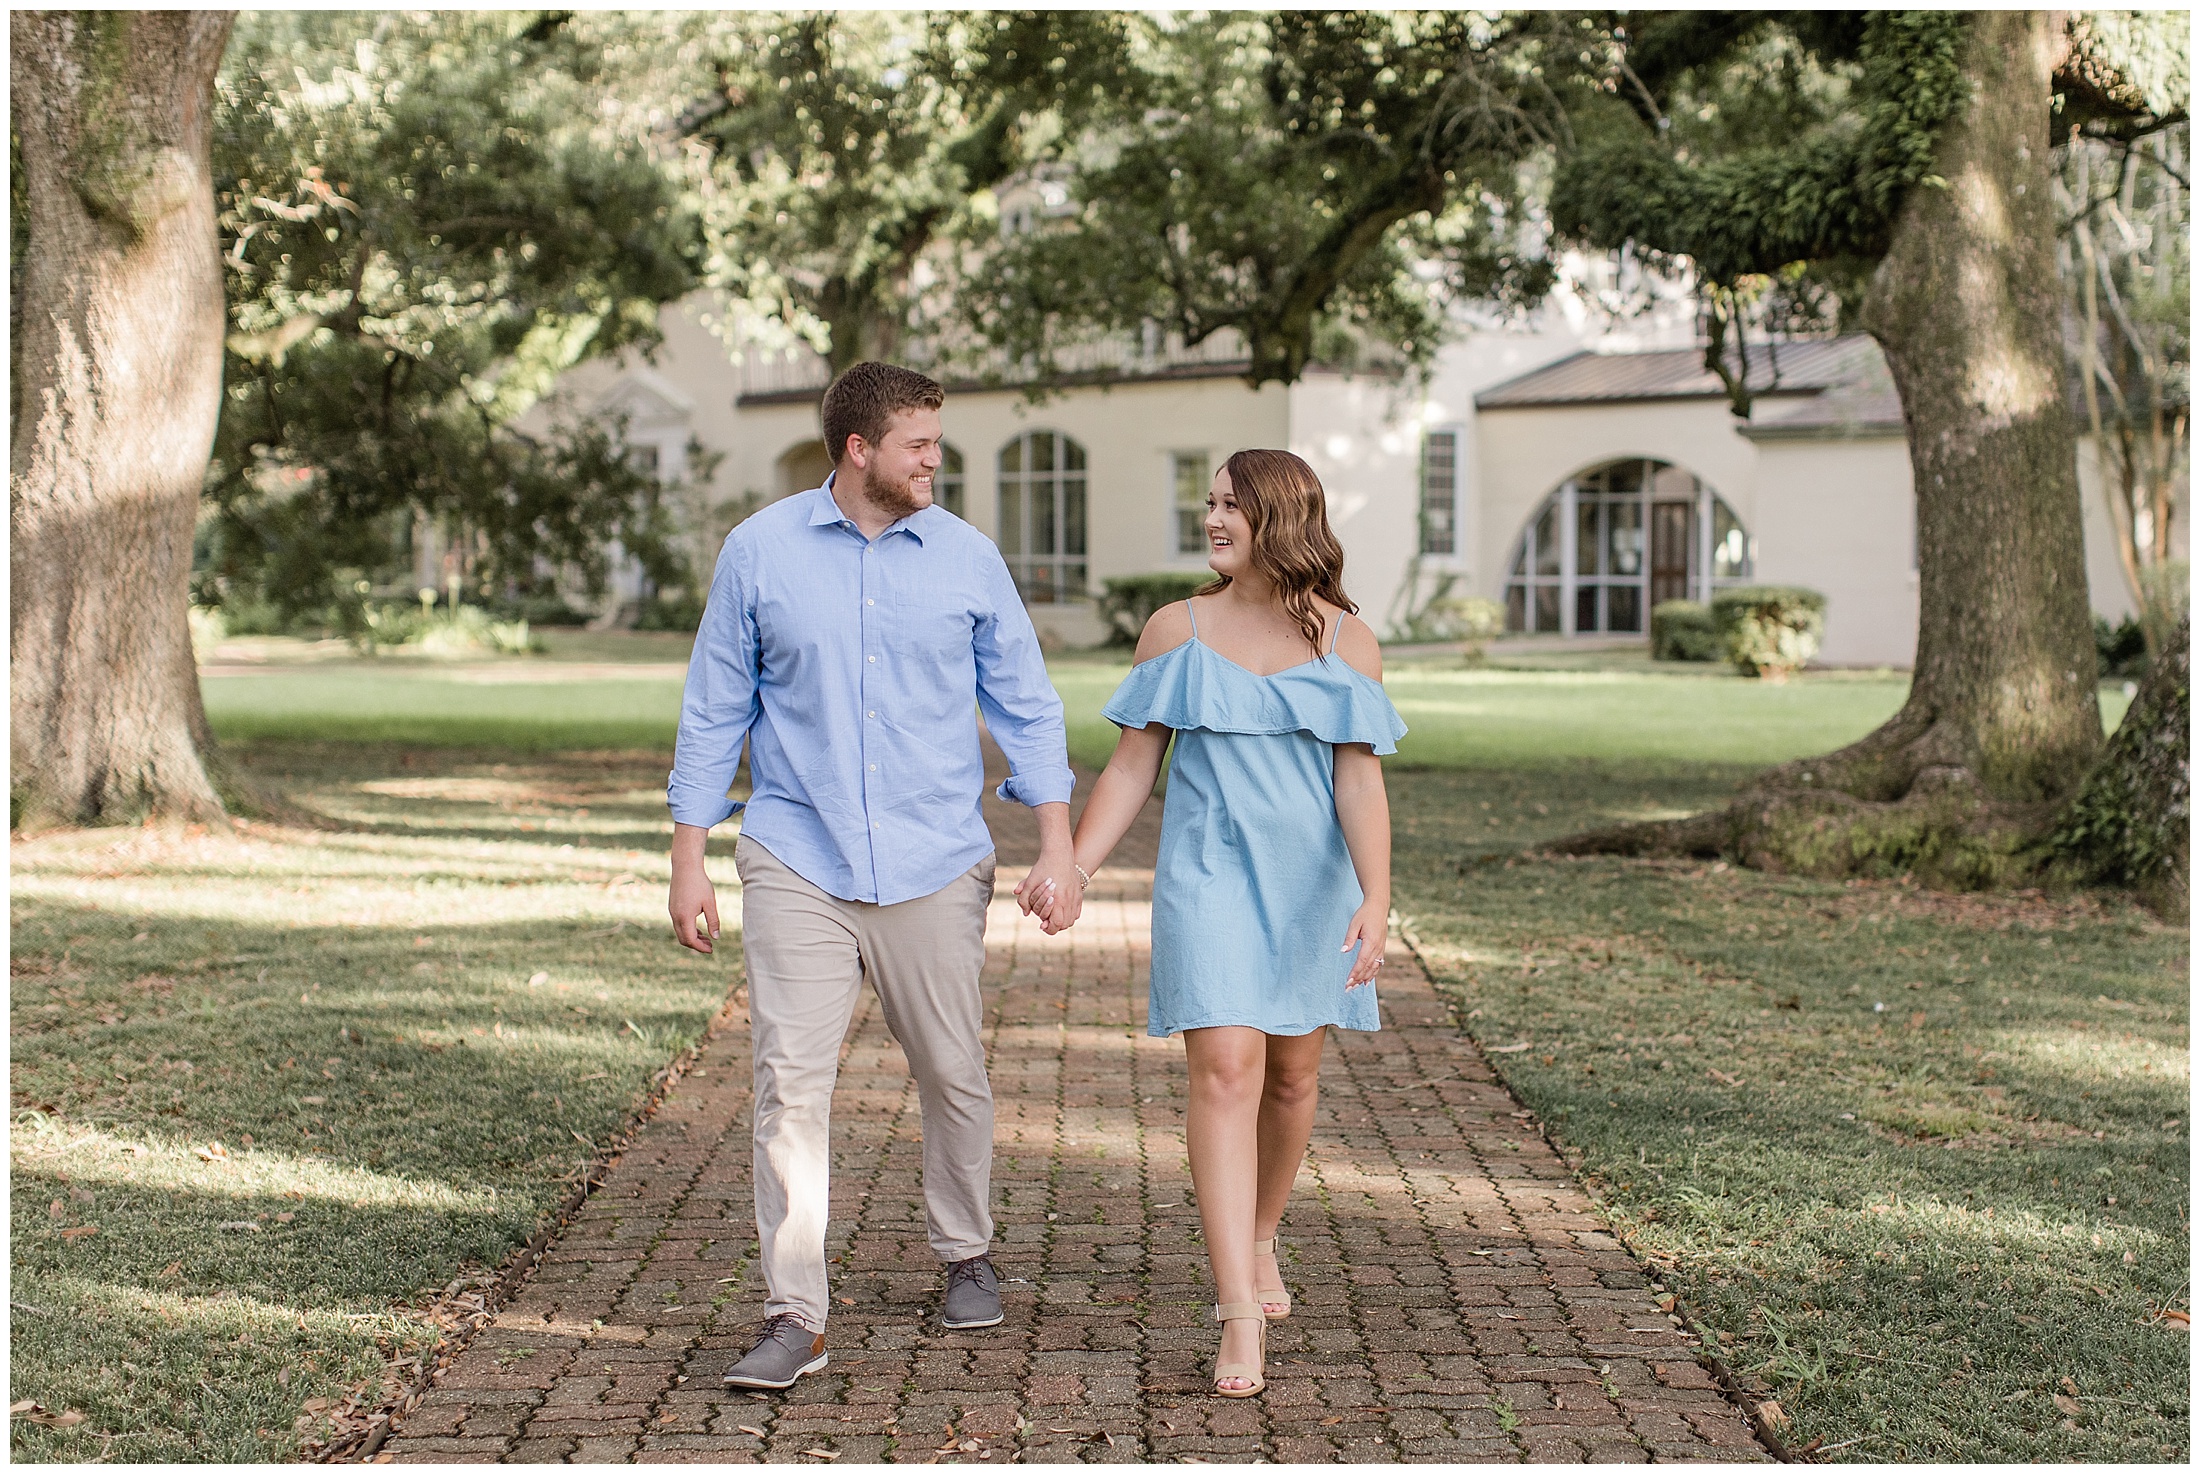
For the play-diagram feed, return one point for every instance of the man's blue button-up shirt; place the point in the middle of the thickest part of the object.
(855, 671)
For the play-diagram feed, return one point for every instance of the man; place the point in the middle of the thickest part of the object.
(852, 635)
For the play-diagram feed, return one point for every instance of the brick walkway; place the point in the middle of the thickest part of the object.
(1456, 1298)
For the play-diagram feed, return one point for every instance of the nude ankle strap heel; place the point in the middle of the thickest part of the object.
(1272, 1297)
(1251, 1371)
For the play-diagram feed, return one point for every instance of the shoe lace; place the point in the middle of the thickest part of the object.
(785, 1320)
(967, 1269)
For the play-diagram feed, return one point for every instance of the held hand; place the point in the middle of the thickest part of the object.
(692, 896)
(1052, 892)
(1371, 929)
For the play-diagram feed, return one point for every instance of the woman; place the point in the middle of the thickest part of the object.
(1272, 894)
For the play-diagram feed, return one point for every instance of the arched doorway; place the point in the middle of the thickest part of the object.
(1616, 539)
(804, 466)
(1042, 526)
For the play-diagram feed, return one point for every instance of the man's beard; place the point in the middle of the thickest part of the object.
(897, 499)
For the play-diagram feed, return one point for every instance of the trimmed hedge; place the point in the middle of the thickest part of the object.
(1769, 631)
(1682, 629)
(1127, 603)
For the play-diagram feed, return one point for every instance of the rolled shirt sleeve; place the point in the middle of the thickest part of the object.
(719, 705)
(1020, 706)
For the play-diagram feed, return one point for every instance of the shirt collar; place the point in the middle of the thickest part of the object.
(825, 512)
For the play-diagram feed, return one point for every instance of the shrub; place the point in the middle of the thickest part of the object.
(1768, 631)
(679, 611)
(1127, 603)
(1682, 629)
(465, 631)
(2121, 649)
(546, 610)
(1472, 622)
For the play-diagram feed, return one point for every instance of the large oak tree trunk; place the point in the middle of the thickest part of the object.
(2003, 719)
(1967, 307)
(116, 385)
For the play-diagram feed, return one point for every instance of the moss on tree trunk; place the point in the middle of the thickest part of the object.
(116, 388)
(2131, 824)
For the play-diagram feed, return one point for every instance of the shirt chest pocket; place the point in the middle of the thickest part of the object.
(928, 625)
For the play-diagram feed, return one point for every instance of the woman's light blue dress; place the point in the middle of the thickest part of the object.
(1254, 889)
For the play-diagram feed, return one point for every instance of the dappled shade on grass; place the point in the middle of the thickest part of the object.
(305, 1077)
(1911, 1222)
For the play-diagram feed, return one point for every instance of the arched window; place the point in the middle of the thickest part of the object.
(1042, 526)
(1613, 541)
(947, 482)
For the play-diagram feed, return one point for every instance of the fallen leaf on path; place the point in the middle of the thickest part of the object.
(213, 1151)
(82, 1230)
(821, 1453)
(2070, 1386)
(1775, 1416)
(57, 1209)
(538, 980)
(745, 1428)
(2177, 1318)
(2067, 1405)
(1723, 1077)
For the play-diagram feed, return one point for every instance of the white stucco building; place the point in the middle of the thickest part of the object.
(1574, 471)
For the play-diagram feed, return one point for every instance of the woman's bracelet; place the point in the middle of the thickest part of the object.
(1081, 875)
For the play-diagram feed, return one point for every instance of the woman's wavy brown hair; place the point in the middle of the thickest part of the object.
(1293, 547)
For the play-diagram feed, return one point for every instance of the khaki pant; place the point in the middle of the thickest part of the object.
(808, 956)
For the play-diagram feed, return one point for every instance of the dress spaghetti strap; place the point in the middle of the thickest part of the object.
(1192, 617)
(1337, 633)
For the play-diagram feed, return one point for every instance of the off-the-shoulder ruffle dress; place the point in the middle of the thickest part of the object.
(1254, 888)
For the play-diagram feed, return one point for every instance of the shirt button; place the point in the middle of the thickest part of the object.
(874, 767)
(871, 714)
(870, 601)
(873, 659)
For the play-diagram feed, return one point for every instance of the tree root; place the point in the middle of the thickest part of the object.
(1946, 830)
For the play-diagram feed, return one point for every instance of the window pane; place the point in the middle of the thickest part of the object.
(1042, 450)
(1546, 608)
(1073, 516)
(1012, 455)
(1073, 580)
(1073, 455)
(1439, 492)
(1191, 480)
(951, 460)
(1039, 583)
(1729, 544)
(1516, 607)
(1623, 550)
(1520, 558)
(1546, 549)
(1585, 610)
(1045, 528)
(1012, 515)
(1586, 540)
(1191, 533)
(1623, 608)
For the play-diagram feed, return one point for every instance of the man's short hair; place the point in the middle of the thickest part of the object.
(866, 396)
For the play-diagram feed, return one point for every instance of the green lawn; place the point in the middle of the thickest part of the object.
(271, 1088)
(407, 1027)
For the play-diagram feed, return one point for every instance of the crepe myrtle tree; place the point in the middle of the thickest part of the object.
(1903, 160)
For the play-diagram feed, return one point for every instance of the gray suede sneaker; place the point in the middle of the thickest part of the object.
(787, 1349)
(973, 1295)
